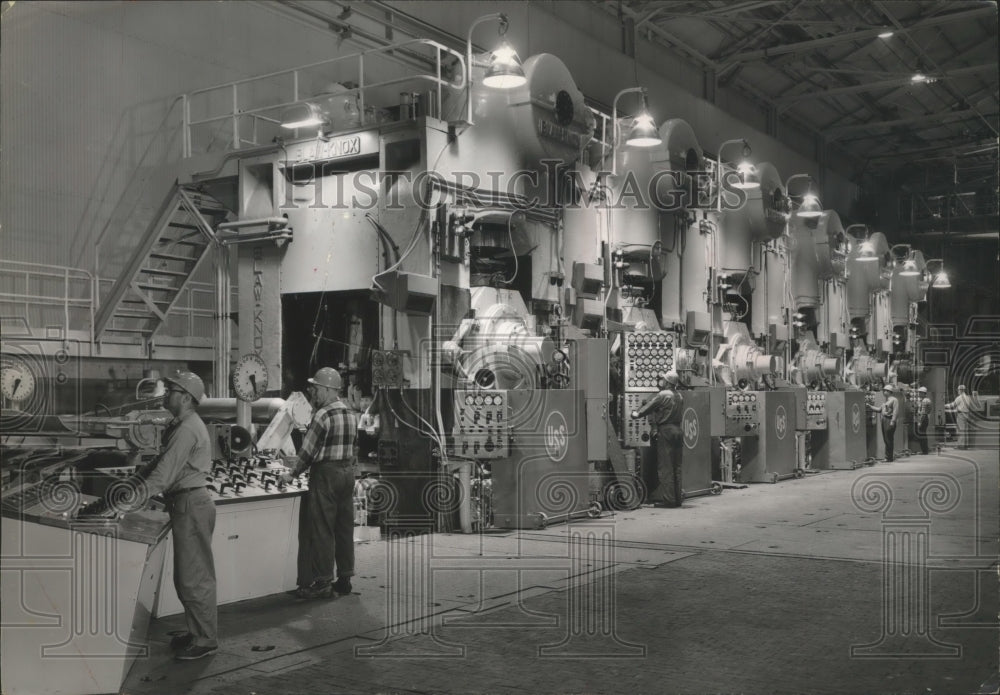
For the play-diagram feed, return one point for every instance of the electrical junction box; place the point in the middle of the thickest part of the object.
(387, 368)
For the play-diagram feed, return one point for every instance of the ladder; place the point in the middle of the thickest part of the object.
(171, 251)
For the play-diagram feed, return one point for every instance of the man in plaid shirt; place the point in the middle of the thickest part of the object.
(326, 520)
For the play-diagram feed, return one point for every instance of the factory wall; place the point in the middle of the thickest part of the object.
(88, 110)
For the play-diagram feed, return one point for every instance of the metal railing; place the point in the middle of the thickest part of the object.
(37, 289)
(230, 91)
(33, 291)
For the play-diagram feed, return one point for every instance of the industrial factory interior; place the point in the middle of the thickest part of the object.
(595, 346)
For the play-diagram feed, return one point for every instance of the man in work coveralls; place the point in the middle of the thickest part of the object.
(665, 410)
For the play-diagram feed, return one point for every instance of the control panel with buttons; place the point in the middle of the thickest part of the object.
(816, 410)
(481, 429)
(638, 431)
(256, 476)
(742, 414)
(647, 356)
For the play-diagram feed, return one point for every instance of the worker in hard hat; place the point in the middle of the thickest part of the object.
(923, 419)
(890, 415)
(179, 474)
(962, 407)
(665, 410)
(326, 521)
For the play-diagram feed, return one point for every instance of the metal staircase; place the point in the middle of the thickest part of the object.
(179, 238)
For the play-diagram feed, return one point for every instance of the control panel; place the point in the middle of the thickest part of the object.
(646, 356)
(387, 368)
(871, 401)
(481, 429)
(638, 431)
(742, 414)
(816, 410)
(250, 477)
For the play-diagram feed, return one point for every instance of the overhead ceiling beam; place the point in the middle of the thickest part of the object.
(939, 148)
(813, 44)
(648, 17)
(882, 84)
(837, 131)
(731, 9)
(884, 9)
(671, 39)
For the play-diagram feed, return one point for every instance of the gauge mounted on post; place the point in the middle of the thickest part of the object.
(17, 379)
(250, 377)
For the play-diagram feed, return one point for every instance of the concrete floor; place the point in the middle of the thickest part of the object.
(877, 580)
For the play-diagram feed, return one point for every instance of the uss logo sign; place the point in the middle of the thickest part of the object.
(690, 428)
(556, 436)
(780, 421)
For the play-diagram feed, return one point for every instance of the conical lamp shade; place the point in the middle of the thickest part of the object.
(505, 71)
(643, 132)
(810, 206)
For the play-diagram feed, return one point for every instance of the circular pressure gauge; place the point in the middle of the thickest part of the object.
(250, 377)
(17, 380)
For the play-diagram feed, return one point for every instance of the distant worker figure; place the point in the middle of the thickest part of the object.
(665, 410)
(923, 418)
(890, 414)
(963, 406)
(353, 393)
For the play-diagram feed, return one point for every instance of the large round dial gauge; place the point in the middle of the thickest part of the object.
(250, 377)
(17, 380)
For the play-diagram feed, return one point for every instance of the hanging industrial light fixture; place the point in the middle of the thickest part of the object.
(304, 114)
(939, 280)
(749, 177)
(745, 170)
(909, 268)
(505, 71)
(810, 206)
(642, 133)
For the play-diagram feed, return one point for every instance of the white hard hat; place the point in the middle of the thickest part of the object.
(189, 382)
(671, 377)
(327, 376)
(922, 389)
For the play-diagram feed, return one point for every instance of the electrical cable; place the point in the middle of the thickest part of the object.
(510, 238)
(432, 433)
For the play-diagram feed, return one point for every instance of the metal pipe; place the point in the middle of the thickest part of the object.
(468, 56)
(614, 125)
(239, 224)
(465, 508)
(262, 410)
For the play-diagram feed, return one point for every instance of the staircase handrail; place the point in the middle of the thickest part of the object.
(258, 112)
